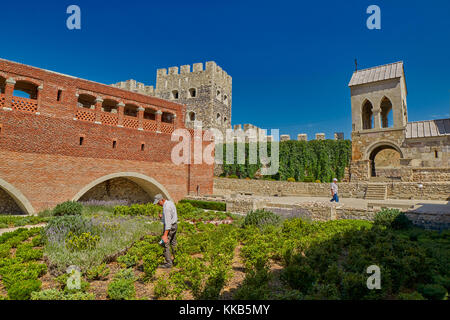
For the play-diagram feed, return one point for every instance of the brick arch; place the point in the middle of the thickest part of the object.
(18, 197)
(150, 185)
(30, 80)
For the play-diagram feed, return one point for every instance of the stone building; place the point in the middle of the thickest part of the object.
(206, 92)
(385, 146)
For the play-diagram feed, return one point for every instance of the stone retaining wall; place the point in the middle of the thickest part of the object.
(395, 190)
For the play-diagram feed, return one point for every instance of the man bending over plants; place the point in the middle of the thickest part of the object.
(170, 219)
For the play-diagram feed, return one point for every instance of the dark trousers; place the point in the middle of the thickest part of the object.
(335, 198)
(172, 237)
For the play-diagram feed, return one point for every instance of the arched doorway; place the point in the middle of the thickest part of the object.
(367, 115)
(384, 156)
(127, 186)
(12, 201)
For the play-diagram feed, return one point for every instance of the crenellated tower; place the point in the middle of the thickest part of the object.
(206, 90)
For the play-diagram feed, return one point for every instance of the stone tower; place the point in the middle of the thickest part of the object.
(206, 92)
(375, 92)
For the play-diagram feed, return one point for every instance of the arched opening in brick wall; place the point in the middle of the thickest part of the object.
(367, 115)
(167, 117)
(109, 105)
(191, 116)
(86, 101)
(130, 110)
(384, 156)
(192, 92)
(25, 89)
(2, 85)
(150, 114)
(127, 187)
(218, 118)
(12, 201)
(386, 113)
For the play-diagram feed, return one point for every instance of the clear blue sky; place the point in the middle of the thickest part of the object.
(290, 61)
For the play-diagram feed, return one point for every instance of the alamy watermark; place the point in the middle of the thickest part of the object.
(374, 281)
(374, 20)
(73, 22)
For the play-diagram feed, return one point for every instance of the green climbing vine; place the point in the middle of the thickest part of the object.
(306, 161)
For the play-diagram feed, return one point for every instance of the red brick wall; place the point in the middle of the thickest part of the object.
(41, 154)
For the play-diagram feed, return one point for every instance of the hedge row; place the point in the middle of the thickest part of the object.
(208, 205)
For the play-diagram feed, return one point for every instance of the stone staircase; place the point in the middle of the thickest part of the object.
(376, 191)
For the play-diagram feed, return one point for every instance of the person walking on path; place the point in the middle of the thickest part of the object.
(170, 219)
(334, 191)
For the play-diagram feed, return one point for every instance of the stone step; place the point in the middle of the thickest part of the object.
(376, 192)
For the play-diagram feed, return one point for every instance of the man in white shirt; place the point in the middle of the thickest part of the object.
(170, 219)
(334, 191)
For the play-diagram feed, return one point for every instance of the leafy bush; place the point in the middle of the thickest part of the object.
(99, 272)
(128, 260)
(53, 294)
(432, 291)
(58, 228)
(27, 253)
(208, 205)
(148, 209)
(261, 218)
(22, 290)
(308, 179)
(68, 208)
(85, 241)
(392, 218)
(410, 296)
(122, 287)
(5, 250)
(291, 179)
(233, 176)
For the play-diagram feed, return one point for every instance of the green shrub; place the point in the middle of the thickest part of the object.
(208, 205)
(149, 209)
(27, 253)
(432, 291)
(5, 250)
(308, 179)
(233, 176)
(122, 287)
(261, 218)
(392, 218)
(38, 241)
(410, 296)
(291, 179)
(22, 290)
(53, 294)
(68, 208)
(99, 272)
(300, 277)
(128, 260)
(85, 241)
(62, 226)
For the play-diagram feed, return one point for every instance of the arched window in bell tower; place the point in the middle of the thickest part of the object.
(367, 115)
(386, 113)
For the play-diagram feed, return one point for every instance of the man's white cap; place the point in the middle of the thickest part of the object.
(334, 179)
(158, 198)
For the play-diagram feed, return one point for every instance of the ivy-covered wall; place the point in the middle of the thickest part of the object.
(306, 161)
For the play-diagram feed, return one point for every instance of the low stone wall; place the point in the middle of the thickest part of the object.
(395, 190)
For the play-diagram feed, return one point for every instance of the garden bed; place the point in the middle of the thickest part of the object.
(259, 257)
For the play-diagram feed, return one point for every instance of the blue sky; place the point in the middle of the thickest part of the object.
(290, 61)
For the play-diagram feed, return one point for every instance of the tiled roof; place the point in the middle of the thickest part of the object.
(385, 72)
(429, 128)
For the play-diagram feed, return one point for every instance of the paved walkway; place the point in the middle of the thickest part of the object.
(420, 206)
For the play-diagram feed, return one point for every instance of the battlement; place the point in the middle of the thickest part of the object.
(211, 68)
(133, 85)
